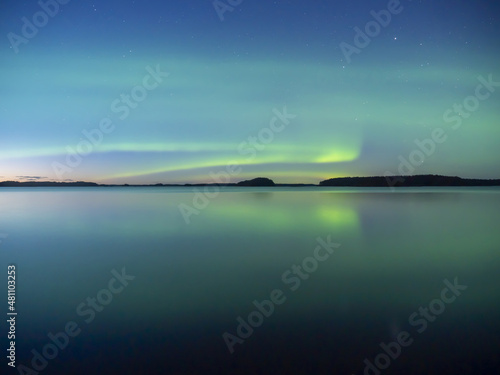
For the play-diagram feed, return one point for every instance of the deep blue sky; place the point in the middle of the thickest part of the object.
(228, 79)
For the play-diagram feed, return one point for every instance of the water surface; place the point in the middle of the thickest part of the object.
(193, 281)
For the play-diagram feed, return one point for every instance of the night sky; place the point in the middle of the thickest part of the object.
(179, 88)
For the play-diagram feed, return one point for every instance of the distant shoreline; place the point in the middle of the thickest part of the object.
(375, 181)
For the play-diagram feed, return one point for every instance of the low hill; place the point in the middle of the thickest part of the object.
(259, 181)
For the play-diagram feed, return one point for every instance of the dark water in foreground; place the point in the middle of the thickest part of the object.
(188, 284)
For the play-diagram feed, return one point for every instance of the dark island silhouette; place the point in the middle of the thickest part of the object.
(46, 184)
(376, 181)
(259, 181)
(407, 181)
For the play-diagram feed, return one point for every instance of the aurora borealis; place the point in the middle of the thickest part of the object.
(228, 79)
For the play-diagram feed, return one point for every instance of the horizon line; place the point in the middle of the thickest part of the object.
(239, 183)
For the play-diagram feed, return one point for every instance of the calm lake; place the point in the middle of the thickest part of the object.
(261, 281)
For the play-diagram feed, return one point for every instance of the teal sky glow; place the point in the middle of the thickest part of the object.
(228, 79)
